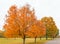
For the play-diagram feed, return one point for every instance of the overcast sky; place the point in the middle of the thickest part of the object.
(42, 8)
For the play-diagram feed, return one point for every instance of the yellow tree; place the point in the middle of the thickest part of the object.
(51, 28)
(18, 21)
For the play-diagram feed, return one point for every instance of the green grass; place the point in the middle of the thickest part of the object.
(20, 41)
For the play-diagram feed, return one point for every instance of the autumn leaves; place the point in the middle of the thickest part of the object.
(36, 30)
(22, 22)
(51, 28)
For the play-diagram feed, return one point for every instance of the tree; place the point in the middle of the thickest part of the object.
(42, 28)
(1, 34)
(18, 21)
(51, 28)
(36, 30)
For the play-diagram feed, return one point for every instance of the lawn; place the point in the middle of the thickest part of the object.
(19, 41)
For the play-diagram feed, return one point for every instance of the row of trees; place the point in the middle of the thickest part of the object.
(22, 22)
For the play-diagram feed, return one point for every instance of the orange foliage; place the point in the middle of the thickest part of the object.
(36, 30)
(18, 20)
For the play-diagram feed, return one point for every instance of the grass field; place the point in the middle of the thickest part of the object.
(20, 41)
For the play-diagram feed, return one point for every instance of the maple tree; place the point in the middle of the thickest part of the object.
(51, 28)
(42, 28)
(18, 21)
(36, 30)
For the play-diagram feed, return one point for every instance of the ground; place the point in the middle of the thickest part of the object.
(55, 41)
(19, 41)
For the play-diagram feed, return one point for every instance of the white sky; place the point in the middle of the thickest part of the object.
(42, 8)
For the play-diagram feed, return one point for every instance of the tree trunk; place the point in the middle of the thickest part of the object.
(46, 38)
(24, 40)
(35, 40)
(53, 37)
(46, 35)
(40, 38)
